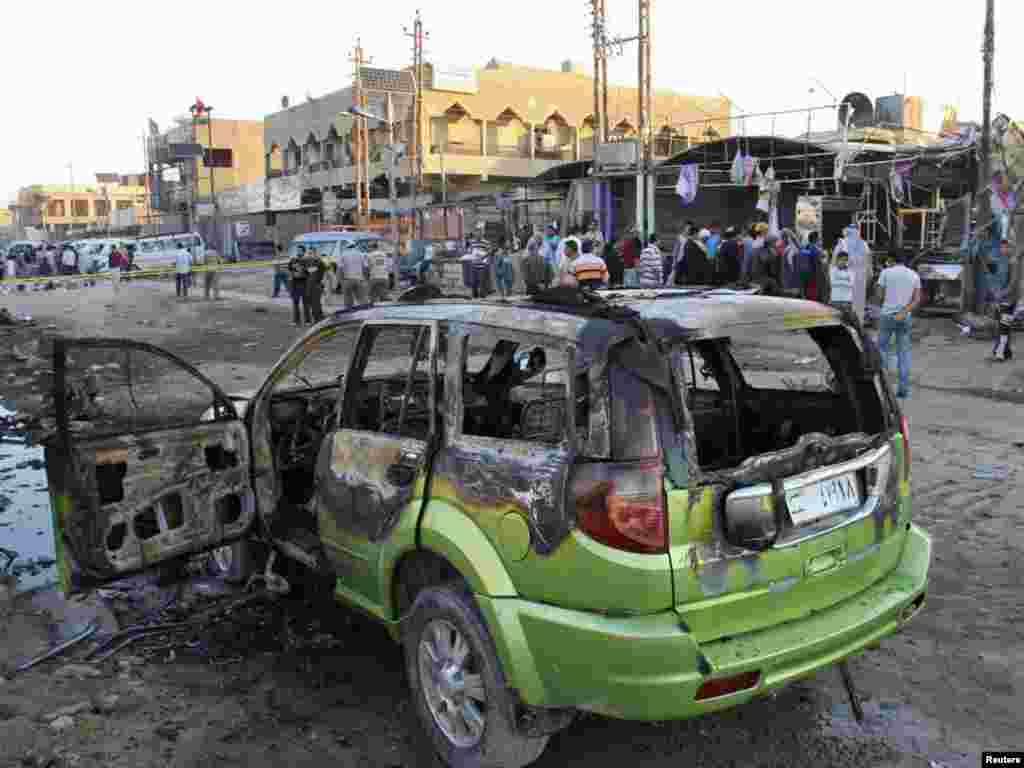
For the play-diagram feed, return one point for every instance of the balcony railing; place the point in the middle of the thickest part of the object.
(462, 148)
(508, 150)
(554, 154)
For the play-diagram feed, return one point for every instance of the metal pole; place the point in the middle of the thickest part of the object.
(391, 188)
(969, 298)
(444, 179)
(195, 181)
(213, 194)
(604, 77)
(394, 215)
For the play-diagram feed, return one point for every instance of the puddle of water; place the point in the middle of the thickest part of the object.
(903, 728)
(26, 523)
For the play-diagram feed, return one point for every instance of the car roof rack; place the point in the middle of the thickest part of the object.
(589, 303)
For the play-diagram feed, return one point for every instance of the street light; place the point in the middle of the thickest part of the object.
(395, 153)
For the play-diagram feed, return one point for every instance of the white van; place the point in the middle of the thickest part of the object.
(159, 250)
(94, 255)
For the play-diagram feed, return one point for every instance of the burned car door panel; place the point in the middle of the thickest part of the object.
(128, 494)
(506, 448)
(372, 468)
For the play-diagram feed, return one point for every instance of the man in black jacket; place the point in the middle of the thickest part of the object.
(695, 266)
(730, 259)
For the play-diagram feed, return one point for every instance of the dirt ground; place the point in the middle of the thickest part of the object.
(298, 682)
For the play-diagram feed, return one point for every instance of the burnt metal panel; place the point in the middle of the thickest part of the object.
(491, 476)
(354, 489)
(109, 539)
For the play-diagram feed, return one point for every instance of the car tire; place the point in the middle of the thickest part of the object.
(444, 624)
(235, 563)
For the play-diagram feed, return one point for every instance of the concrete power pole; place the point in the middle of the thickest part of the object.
(984, 231)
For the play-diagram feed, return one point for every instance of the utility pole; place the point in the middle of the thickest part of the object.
(361, 133)
(984, 229)
(416, 146)
(600, 70)
(645, 191)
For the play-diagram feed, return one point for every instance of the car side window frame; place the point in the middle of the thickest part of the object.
(458, 347)
(360, 359)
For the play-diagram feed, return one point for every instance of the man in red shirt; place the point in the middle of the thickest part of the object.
(631, 246)
(118, 260)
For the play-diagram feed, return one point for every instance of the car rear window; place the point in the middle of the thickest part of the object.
(634, 427)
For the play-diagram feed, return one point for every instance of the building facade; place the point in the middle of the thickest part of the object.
(483, 131)
(114, 203)
(184, 188)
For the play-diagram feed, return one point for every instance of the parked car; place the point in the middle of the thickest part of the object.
(646, 504)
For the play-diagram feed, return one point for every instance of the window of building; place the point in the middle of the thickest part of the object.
(102, 208)
(80, 209)
(55, 208)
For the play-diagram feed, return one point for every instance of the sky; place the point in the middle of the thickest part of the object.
(83, 78)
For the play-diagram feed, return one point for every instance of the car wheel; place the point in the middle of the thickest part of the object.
(458, 686)
(236, 562)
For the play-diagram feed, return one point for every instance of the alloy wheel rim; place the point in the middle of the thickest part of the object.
(452, 684)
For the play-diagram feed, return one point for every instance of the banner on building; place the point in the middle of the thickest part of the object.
(237, 201)
(454, 78)
(285, 193)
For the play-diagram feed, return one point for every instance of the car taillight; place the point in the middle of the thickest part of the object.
(723, 686)
(905, 432)
(623, 505)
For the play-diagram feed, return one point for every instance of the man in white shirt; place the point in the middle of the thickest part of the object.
(381, 261)
(183, 270)
(841, 282)
(353, 271)
(899, 289)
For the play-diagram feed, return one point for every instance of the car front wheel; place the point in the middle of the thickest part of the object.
(458, 687)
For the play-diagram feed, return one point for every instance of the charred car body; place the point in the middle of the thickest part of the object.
(648, 505)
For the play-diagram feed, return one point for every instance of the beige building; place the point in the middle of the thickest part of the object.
(483, 130)
(113, 203)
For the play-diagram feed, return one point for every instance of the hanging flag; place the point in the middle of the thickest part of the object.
(686, 187)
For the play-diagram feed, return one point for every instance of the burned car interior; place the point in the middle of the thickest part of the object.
(507, 394)
(746, 400)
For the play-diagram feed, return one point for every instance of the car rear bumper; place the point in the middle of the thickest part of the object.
(650, 668)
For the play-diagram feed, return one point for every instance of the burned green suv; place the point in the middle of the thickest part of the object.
(645, 504)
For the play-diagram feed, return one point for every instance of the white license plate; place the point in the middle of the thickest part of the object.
(824, 498)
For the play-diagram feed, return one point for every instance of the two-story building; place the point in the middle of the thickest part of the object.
(184, 189)
(114, 203)
(483, 131)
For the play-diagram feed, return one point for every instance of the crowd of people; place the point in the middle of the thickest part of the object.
(778, 264)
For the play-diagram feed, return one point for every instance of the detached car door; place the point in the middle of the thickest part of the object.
(149, 461)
